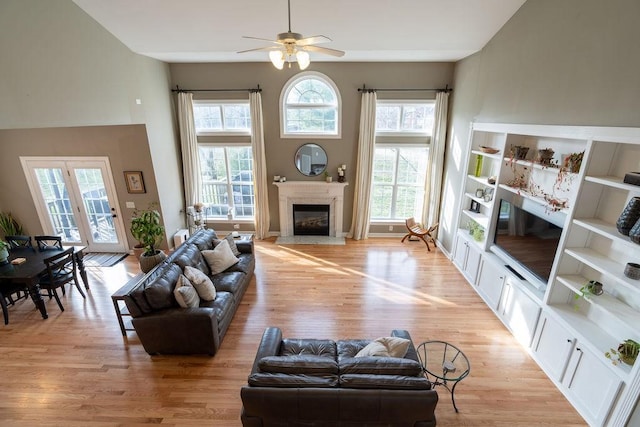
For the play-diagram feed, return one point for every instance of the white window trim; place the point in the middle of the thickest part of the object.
(225, 132)
(406, 133)
(283, 95)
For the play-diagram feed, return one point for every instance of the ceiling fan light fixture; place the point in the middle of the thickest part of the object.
(277, 59)
(303, 59)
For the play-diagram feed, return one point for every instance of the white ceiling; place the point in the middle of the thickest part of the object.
(367, 30)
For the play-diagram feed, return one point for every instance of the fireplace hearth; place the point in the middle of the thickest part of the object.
(310, 220)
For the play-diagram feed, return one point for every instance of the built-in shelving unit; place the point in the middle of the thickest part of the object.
(565, 330)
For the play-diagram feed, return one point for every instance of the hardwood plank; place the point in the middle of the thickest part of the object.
(76, 369)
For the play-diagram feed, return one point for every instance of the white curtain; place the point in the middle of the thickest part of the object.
(189, 145)
(364, 168)
(260, 183)
(436, 160)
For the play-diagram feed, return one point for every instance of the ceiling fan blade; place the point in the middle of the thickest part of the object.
(260, 49)
(261, 39)
(313, 40)
(324, 50)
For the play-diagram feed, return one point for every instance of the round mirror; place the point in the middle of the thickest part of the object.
(311, 160)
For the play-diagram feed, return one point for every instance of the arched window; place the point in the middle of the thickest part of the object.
(310, 106)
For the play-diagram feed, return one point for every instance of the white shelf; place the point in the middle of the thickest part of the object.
(612, 181)
(537, 166)
(607, 302)
(481, 219)
(481, 179)
(605, 229)
(539, 200)
(495, 156)
(480, 200)
(604, 265)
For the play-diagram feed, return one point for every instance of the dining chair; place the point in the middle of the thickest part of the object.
(18, 241)
(46, 243)
(61, 269)
(7, 289)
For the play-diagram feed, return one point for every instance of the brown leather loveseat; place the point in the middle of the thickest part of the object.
(166, 328)
(315, 382)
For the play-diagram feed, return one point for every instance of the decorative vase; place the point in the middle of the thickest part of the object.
(632, 271)
(628, 219)
(634, 233)
(329, 179)
(545, 155)
(519, 152)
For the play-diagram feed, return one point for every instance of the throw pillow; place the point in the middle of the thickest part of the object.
(385, 347)
(220, 258)
(232, 244)
(185, 293)
(202, 283)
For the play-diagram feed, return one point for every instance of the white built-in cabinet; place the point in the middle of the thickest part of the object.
(567, 334)
(467, 256)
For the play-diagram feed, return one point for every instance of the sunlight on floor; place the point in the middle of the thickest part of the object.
(379, 264)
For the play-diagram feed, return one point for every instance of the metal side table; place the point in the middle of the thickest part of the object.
(445, 362)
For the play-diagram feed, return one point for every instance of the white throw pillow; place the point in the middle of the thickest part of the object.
(385, 347)
(185, 293)
(220, 258)
(202, 283)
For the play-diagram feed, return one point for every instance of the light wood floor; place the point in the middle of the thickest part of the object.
(75, 369)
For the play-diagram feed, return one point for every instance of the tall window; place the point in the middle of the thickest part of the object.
(400, 159)
(398, 182)
(227, 181)
(222, 117)
(310, 106)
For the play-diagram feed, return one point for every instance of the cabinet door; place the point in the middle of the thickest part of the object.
(552, 347)
(591, 384)
(490, 281)
(473, 262)
(519, 312)
(460, 252)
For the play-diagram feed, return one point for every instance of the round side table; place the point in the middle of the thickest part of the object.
(445, 362)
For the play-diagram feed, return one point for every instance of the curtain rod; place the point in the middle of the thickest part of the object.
(365, 89)
(177, 89)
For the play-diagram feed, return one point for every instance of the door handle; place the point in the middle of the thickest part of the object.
(114, 216)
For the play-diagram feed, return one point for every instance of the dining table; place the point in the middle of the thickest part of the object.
(31, 269)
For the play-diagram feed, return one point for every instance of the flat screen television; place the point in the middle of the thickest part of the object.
(527, 238)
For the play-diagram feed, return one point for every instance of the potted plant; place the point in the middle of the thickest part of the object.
(146, 228)
(4, 252)
(627, 352)
(9, 225)
(327, 177)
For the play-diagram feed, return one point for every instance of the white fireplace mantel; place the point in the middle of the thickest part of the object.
(311, 193)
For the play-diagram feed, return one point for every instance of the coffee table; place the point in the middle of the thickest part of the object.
(445, 362)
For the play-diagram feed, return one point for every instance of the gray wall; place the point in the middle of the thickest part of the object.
(571, 62)
(69, 88)
(347, 76)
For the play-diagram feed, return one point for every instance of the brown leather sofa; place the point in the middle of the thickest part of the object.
(163, 326)
(310, 382)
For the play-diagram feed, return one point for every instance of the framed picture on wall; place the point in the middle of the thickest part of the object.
(135, 183)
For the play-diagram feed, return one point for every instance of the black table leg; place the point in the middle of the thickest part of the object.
(83, 272)
(34, 291)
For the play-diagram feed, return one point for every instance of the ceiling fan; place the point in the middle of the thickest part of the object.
(293, 47)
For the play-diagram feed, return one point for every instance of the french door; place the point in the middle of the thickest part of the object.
(76, 200)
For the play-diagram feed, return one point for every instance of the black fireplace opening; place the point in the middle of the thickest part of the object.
(311, 220)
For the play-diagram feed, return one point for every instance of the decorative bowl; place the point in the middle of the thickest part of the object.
(488, 150)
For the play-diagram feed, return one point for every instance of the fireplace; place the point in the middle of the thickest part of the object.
(310, 193)
(310, 220)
